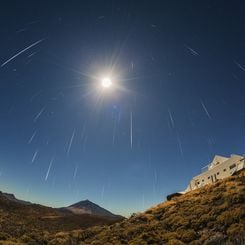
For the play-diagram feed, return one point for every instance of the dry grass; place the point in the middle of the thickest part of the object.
(35, 224)
(213, 214)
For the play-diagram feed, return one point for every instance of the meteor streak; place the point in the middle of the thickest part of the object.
(22, 51)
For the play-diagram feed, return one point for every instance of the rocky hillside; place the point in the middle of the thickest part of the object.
(214, 214)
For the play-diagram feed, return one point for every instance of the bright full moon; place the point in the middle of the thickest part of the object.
(106, 82)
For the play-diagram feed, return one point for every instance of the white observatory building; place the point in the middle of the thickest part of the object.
(220, 168)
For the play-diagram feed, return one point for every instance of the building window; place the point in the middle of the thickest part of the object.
(198, 182)
(208, 177)
(224, 169)
(203, 180)
(217, 173)
(233, 166)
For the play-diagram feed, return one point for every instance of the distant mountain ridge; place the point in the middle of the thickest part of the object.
(20, 219)
(88, 207)
(82, 207)
(11, 197)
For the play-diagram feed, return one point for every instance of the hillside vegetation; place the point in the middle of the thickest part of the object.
(34, 223)
(213, 214)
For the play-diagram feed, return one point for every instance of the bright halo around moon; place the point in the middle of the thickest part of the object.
(106, 82)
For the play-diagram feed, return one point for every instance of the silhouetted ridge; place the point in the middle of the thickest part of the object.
(11, 197)
(89, 207)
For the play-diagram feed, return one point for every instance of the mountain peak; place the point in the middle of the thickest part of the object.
(88, 207)
(82, 203)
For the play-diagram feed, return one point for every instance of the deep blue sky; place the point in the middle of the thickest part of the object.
(179, 80)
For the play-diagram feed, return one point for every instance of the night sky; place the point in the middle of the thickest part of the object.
(177, 98)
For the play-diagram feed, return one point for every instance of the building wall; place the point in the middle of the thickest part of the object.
(220, 171)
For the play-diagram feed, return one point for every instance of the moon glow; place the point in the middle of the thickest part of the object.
(106, 82)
